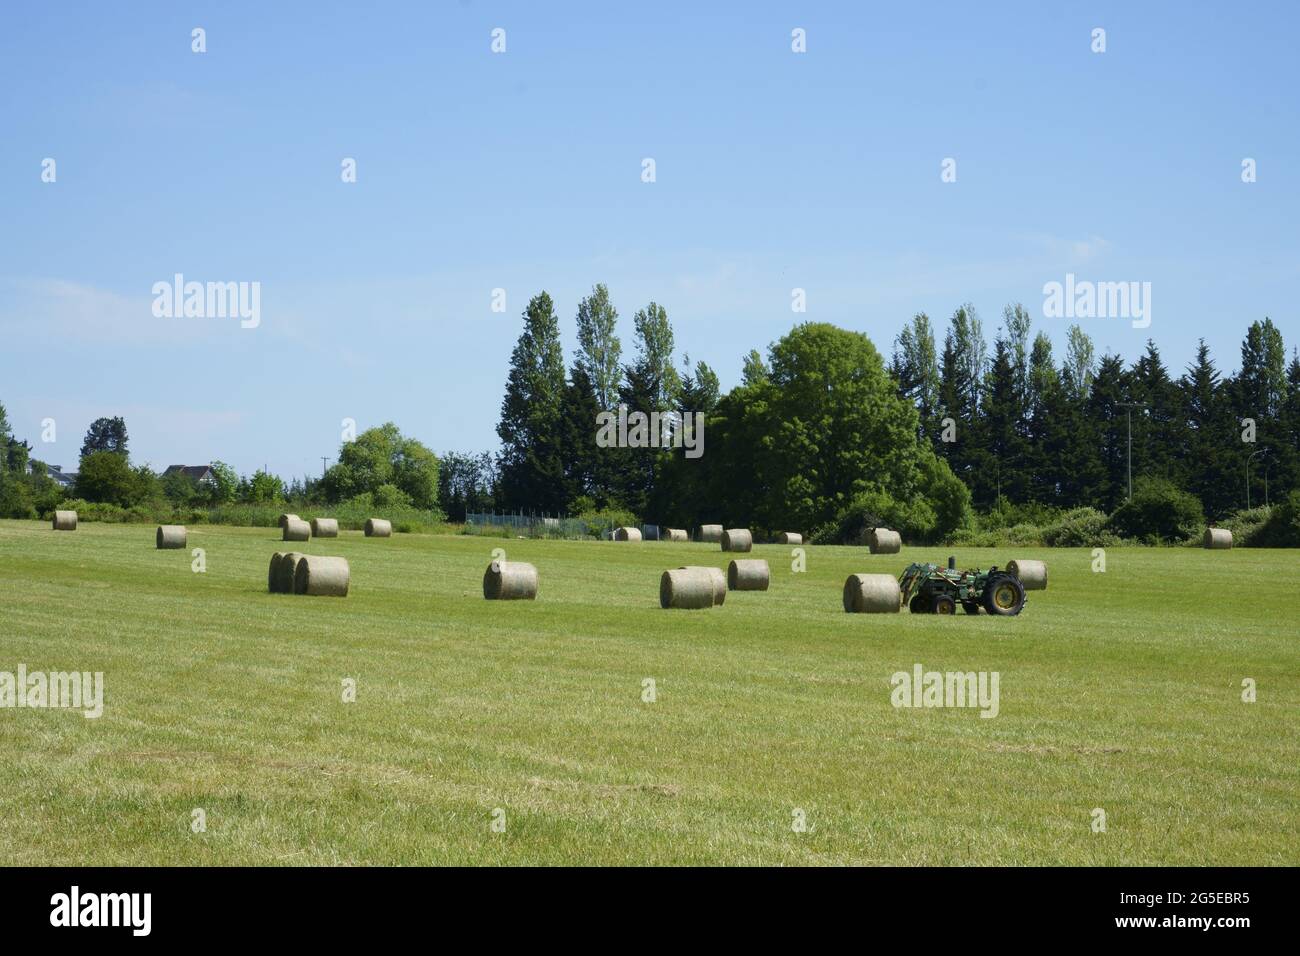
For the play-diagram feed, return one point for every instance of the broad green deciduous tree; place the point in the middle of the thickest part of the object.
(107, 477)
(383, 456)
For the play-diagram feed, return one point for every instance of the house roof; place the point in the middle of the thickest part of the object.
(64, 478)
(197, 472)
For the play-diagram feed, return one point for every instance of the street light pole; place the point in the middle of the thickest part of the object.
(1128, 407)
(1248, 458)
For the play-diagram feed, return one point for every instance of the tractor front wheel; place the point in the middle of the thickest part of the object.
(944, 605)
(1004, 596)
(919, 605)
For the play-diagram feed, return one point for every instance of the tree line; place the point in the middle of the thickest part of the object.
(822, 434)
(379, 468)
(1030, 430)
(787, 448)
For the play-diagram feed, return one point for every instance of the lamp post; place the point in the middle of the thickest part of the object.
(1128, 407)
(1248, 458)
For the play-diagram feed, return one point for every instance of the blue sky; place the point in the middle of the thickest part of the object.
(522, 171)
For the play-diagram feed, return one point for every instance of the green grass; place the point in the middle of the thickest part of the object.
(1119, 690)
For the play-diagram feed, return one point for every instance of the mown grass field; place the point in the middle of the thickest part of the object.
(1119, 691)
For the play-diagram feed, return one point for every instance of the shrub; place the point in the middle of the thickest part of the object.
(1004, 514)
(351, 515)
(93, 510)
(947, 494)
(1080, 528)
(390, 496)
(877, 509)
(1158, 512)
(1245, 524)
(1281, 529)
(599, 520)
(16, 499)
(1023, 535)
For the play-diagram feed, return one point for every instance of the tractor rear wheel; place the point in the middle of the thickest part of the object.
(1004, 596)
(943, 604)
(919, 605)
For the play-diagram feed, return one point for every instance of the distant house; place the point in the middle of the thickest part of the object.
(200, 474)
(58, 475)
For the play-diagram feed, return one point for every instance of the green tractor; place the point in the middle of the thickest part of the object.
(930, 589)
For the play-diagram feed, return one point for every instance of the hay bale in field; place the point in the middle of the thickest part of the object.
(510, 581)
(284, 571)
(688, 588)
(675, 534)
(170, 536)
(872, 594)
(379, 528)
(789, 537)
(737, 539)
(1217, 539)
(65, 521)
(273, 572)
(884, 541)
(650, 532)
(748, 574)
(710, 533)
(716, 575)
(321, 576)
(324, 527)
(295, 529)
(284, 520)
(1031, 574)
(627, 534)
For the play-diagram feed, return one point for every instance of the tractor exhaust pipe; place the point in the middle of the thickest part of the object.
(952, 563)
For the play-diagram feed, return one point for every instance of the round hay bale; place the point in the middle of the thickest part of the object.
(284, 519)
(321, 576)
(510, 581)
(675, 534)
(737, 539)
(324, 527)
(273, 572)
(710, 533)
(789, 537)
(748, 574)
(716, 575)
(627, 534)
(65, 521)
(1216, 539)
(379, 528)
(884, 541)
(688, 588)
(295, 529)
(872, 594)
(1032, 574)
(171, 536)
(285, 571)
